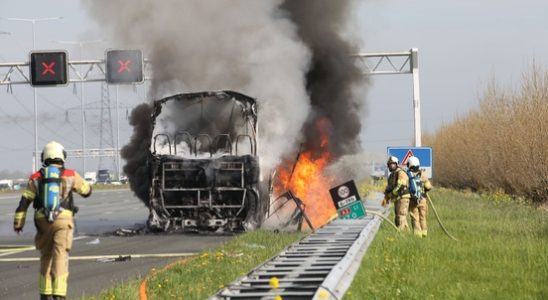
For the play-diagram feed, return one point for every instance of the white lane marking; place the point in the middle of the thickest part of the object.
(18, 250)
(23, 248)
(8, 250)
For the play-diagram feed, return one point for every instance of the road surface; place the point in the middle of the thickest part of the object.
(92, 265)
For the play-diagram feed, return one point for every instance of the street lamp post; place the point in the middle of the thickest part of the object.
(80, 45)
(33, 22)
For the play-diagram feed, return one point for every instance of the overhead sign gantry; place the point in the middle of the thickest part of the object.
(394, 63)
(51, 68)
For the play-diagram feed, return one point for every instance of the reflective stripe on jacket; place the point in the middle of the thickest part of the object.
(400, 183)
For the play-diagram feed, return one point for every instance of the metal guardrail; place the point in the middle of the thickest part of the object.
(320, 266)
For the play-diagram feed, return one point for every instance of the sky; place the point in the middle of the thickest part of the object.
(462, 46)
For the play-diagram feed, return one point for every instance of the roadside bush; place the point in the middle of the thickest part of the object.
(500, 147)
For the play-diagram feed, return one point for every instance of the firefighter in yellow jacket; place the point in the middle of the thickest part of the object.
(50, 191)
(418, 206)
(397, 190)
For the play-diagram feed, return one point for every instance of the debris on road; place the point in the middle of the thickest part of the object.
(126, 232)
(120, 258)
(94, 242)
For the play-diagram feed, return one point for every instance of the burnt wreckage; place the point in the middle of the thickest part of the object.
(203, 163)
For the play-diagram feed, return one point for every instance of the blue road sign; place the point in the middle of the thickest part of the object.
(424, 154)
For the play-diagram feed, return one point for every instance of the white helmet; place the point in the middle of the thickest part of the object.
(54, 150)
(393, 159)
(413, 162)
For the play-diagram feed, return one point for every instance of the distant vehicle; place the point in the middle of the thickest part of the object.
(6, 184)
(104, 176)
(19, 184)
(378, 171)
(91, 177)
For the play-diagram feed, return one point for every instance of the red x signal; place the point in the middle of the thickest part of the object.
(48, 68)
(124, 66)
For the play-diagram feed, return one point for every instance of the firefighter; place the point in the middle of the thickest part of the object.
(397, 191)
(50, 191)
(418, 187)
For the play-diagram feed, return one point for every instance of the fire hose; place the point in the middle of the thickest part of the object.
(438, 218)
(385, 218)
(435, 212)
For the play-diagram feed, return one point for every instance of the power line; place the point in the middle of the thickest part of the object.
(54, 132)
(16, 123)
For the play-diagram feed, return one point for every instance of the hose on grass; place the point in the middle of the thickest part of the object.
(385, 218)
(438, 218)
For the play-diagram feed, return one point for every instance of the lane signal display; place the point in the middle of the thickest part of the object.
(124, 66)
(48, 68)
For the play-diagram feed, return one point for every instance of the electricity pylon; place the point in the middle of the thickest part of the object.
(106, 133)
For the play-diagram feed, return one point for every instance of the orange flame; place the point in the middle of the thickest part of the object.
(309, 183)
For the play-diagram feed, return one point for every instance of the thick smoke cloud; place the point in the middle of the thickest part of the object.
(243, 45)
(333, 80)
(290, 55)
(135, 153)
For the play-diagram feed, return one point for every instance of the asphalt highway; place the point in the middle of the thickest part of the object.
(107, 234)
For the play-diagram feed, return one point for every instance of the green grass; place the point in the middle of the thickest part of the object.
(207, 273)
(368, 186)
(126, 291)
(501, 254)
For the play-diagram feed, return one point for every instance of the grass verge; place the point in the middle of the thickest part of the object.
(207, 273)
(501, 254)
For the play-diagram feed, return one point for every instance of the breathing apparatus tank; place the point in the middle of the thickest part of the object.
(50, 192)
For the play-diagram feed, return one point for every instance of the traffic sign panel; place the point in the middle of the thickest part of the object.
(355, 210)
(424, 154)
(48, 68)
(124, 66)
(344, 194)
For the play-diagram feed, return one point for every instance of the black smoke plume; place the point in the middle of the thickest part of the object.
(333, 79)
(136, 152)
(290, 55)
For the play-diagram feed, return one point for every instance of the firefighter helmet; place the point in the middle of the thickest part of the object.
(413, 162)
(54, 151)
(392, 159)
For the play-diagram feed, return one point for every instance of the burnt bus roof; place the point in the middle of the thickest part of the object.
(248, 102)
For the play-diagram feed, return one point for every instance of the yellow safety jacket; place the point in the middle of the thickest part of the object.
(70, 181)
(398, 185)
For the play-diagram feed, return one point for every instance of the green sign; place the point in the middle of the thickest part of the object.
(355, 210)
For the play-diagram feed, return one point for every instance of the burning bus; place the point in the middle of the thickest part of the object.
(203, 163)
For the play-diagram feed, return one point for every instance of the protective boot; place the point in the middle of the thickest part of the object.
(46, 297)
(59, 298)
